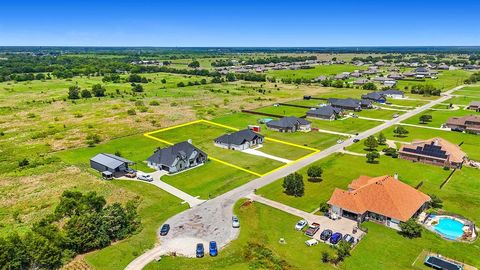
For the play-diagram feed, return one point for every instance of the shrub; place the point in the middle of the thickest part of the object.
(314, 172)
(154, 103)
(411, 229)
(131, 112)
(23, 163)
(93, 139)
(86, 94)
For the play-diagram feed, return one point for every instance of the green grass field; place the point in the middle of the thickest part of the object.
(349, 125)
(209, 180)
(326, 70)
(447, 80)
(379, 113)
(439, 117)
(283, 110)
(462, 100)
(155, 206)
(407, 102)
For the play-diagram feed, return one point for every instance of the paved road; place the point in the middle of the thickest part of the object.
(211, 220)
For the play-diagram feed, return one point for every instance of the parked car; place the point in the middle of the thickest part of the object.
(311, 242)
(131, 174)
(312, 229)
(200, 252)
(335, 238)
(348, 238)
(340, 141)
(326, 234)
(165, 229)
(457, 129)
(396, 115)
(356, 140)
(300, 225)
(145, 177)
(235, 222)
(130, 170)
(213, 250)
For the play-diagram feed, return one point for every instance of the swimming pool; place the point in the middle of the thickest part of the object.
(449, 228)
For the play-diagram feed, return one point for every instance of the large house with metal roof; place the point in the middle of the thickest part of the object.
(290, 124)
(110, 165)
(375, 96)
(240, 140)
(383, 199)
(176, 158)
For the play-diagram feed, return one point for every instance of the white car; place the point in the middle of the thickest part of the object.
(340, 141)
(145, 177)
(311, 242)
(235, 222)
(300, 225)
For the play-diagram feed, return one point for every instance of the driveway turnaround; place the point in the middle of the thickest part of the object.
(342, 225)
(211, 220)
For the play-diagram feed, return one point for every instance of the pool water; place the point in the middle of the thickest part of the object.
(449, 228)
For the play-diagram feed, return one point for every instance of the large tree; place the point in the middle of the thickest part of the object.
(98, 90)
(400, 131)
(382, 139)
(371, 142)
(74, 92)
(371, 156)
(314, 172)
(293, 185)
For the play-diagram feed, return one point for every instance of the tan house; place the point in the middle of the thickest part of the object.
(469, 123)
(474, 105)
(383, 199)
(436, 151)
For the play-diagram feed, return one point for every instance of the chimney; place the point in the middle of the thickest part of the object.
(395, 176)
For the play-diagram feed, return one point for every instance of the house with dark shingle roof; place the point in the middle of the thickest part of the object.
(383, 199)
(290, 124)
(240, 140)
(176, 158)
(350, 103)
(115, 165)
(375, 96)
(325, 112)
(468, 123)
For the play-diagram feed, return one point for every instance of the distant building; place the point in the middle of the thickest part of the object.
(436, 151)
(474, 105)
(110, 165)
(361, 81)
(375, 96)
(239, 140)
(469, 123)
(289, 124)
(325, 112)
(176, 158)
(392, 93)
(385, 200)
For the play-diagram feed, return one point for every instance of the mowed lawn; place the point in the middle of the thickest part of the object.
(202, 136)
(470, 144)
(155, 207)
(447, 80)
(209, 180)
(379, 113)
(462, 100)
(282, 110)
(348, 125)
(314, 72)
(439, 117)
(407, 102)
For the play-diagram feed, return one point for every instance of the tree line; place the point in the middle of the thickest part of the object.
(80, 223)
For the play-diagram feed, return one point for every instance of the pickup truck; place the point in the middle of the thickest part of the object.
(312, 229)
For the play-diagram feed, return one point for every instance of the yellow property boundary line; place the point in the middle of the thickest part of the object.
(149, 135)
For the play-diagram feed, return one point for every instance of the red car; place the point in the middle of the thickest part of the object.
(312, 229)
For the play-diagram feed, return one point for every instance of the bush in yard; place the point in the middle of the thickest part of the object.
(314, 173)
(411, 229)
(325, 257)
(293, 185)
(382, 140)
(400, 131)
(323, 207)
(392, 152)
(371, 156)
(435, 202)
(343, 250)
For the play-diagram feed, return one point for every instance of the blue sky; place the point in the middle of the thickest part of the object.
(240, 23)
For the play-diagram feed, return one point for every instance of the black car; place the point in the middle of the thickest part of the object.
(200, 250)
(326, 234)
(165, 229)
(356, 140)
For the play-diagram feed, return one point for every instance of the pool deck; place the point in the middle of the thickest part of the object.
(433, 220)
